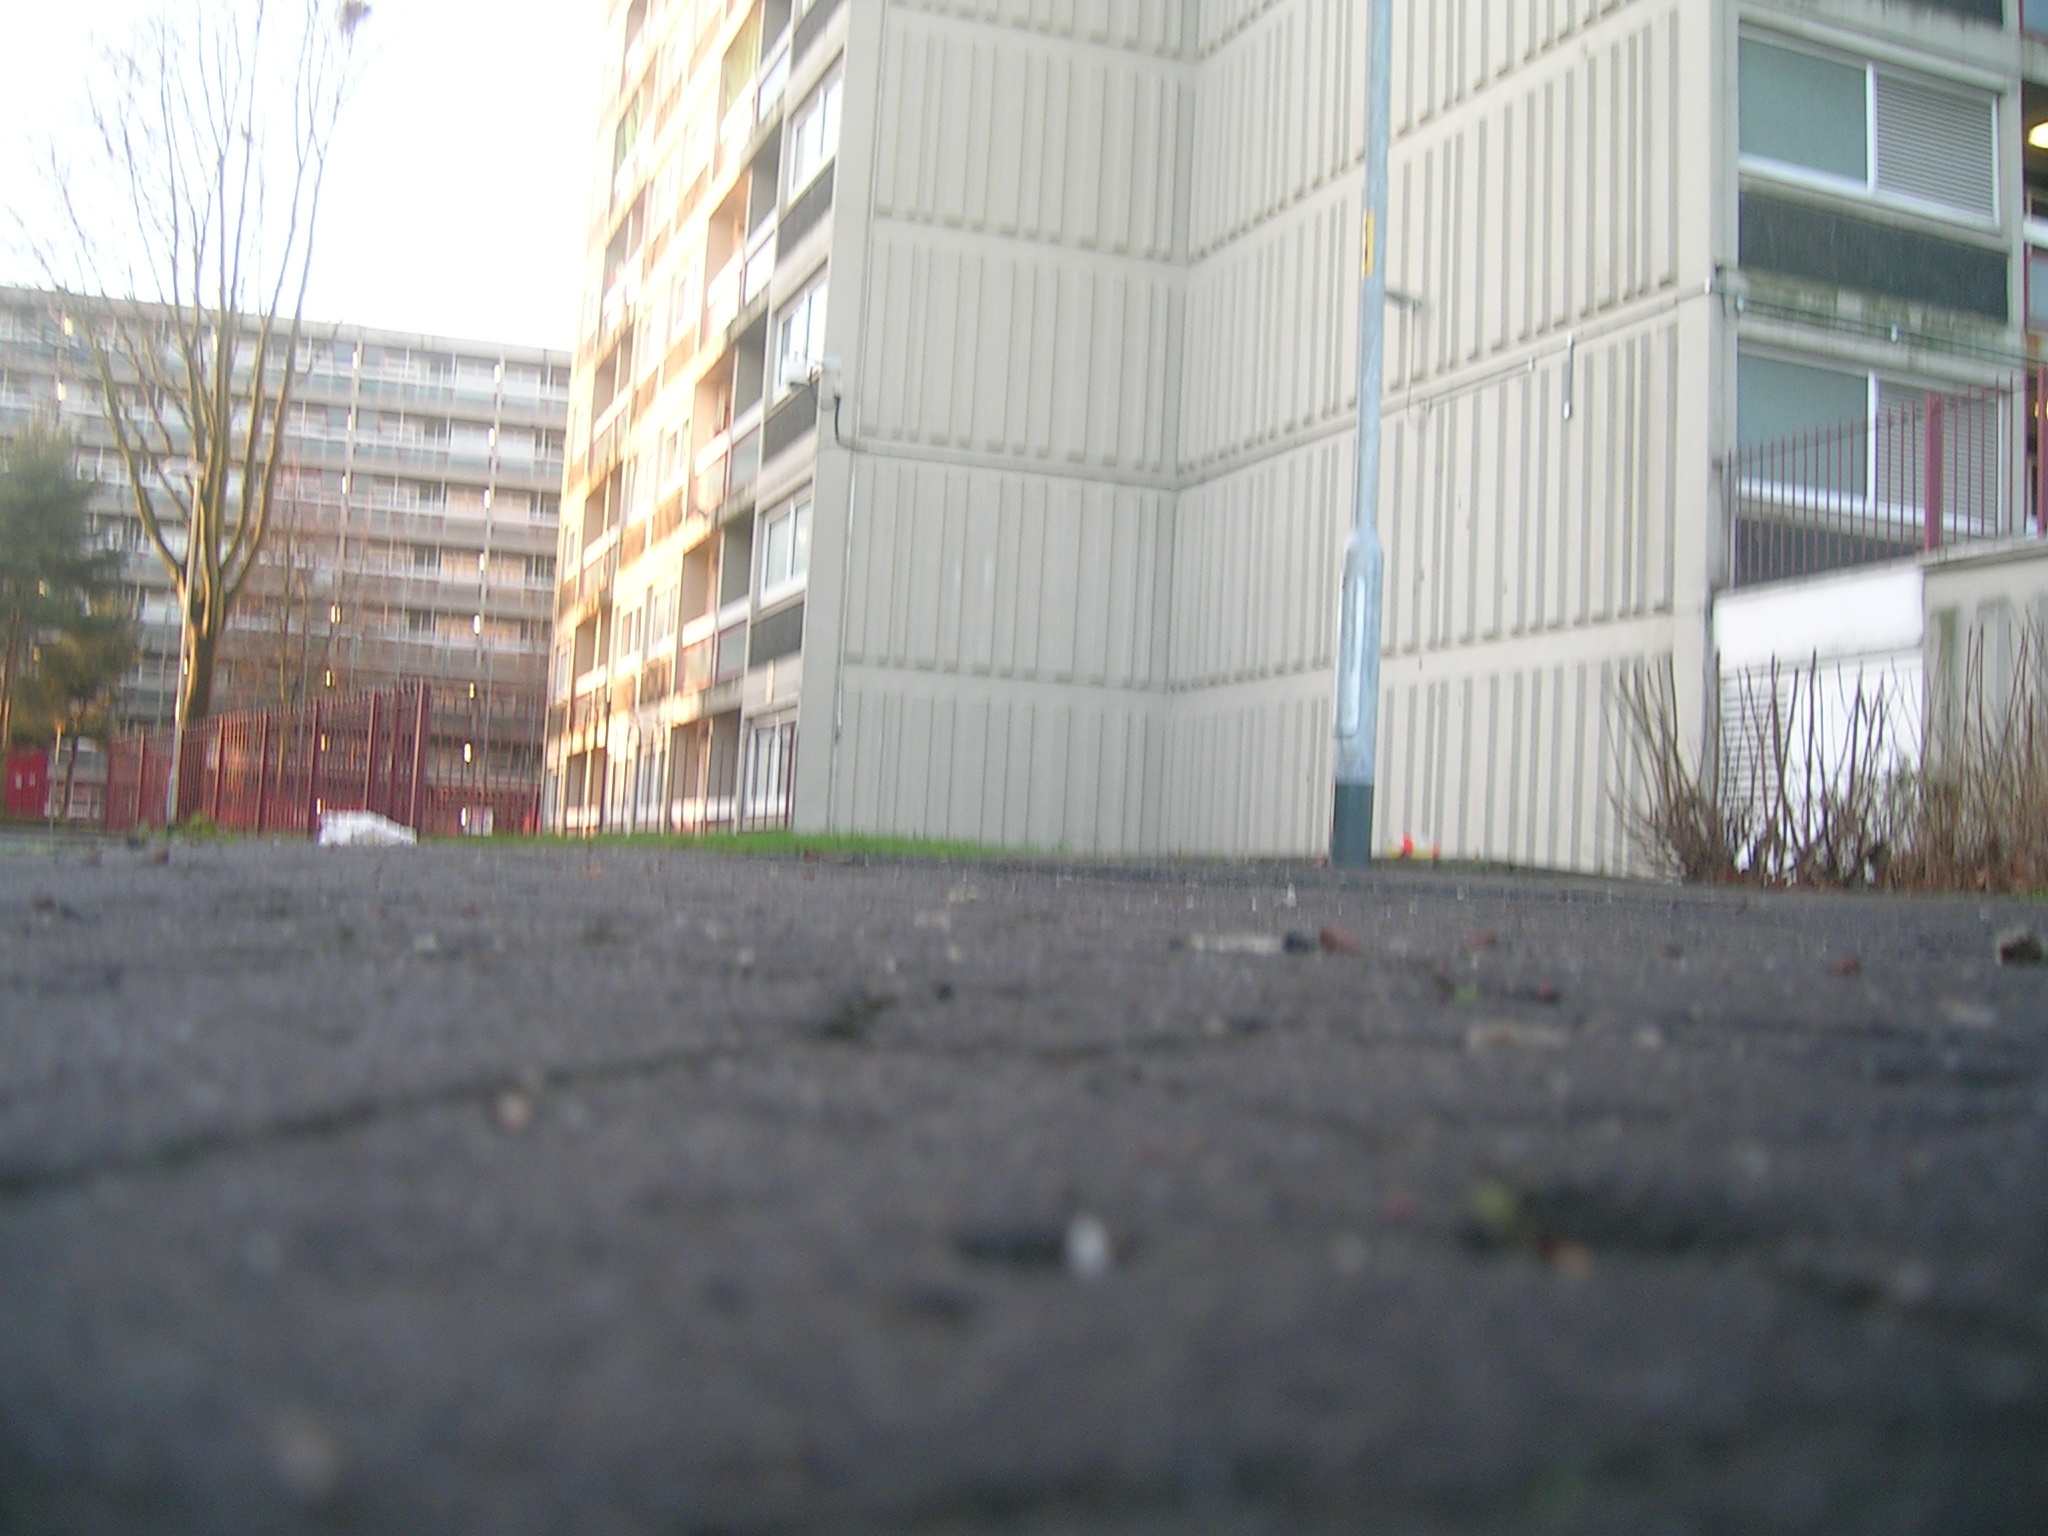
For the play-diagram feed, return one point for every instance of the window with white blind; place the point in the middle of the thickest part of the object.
(785, 550)
(813, 136)
(799, 338)
(1865, 128)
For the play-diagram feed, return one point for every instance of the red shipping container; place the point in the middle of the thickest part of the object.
(28, 785)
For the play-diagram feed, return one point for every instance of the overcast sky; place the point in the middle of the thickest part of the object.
(456, 202)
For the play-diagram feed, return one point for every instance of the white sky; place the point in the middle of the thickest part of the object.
(456, 202)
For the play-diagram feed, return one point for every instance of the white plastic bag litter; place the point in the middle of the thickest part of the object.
(363, 829)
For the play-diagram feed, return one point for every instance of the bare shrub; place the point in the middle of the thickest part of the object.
(1980, 803)
(1789, 791)
(1682, 823)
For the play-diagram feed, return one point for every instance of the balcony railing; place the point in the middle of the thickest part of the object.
(731, 659)
(1937, 471)
(772, 78)
(760, 263)
(723, 296)
(707, 486)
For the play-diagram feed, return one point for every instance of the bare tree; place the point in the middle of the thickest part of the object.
(300, 604)
(188, 240)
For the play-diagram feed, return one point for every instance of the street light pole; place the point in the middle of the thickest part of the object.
(1358, 640)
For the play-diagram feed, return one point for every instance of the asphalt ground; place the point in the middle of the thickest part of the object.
(618, 1190)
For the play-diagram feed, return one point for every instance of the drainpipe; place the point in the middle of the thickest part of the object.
(1358, 641)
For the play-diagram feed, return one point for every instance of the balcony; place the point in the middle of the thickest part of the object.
(759, 263)
(1939, 471)
(730, 658)
(589, 588)
(734, 131)
(810, 27)
(619, 300)
(724, 294)
(707, 485)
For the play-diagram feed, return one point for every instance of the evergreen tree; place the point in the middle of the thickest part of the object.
(49, 574)
(71, 694)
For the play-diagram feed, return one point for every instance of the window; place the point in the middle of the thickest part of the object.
(661, 618)
(814, 137)
(675, 453)
(627, 136)
(785, 549)
(685, 303)
(629, 635)
(800, 338)
(1775, 400)
(1878, 132)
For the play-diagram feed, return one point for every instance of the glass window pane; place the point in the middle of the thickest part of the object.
(1775, 400)
(800, 552)
(1804, 110)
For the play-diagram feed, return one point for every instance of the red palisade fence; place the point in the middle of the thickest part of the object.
(440, 768)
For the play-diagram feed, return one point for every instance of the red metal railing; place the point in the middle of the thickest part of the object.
(1933, 471)
(438, 767)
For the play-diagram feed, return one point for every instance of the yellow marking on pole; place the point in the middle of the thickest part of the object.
(1371, 243)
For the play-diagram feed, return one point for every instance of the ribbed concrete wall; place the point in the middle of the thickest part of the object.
(1268, 424)
(1545, 509)
(1101, 375)
(1013, 388)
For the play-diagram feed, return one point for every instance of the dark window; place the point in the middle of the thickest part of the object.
(809, 26)
(779, 635)
(792, 418)
(1992, 11)
(1850, 252)
(814, 203)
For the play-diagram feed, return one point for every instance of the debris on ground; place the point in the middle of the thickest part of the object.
(852, 1019)
(1216, 1026)
(2020, 946)
(305, 1456)
(363, 829)
(1540, 1037)
(1088, 1250)
(1500, 1219)
(1012, 1245)
(1234, 943)
(513, 1113)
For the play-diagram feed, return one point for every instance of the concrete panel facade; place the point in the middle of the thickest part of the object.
(1086, 407)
